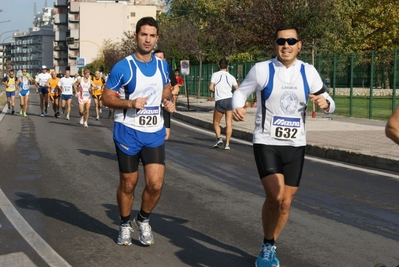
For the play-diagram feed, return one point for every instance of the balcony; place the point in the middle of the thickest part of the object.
(74, 8)
(59, 55)
(60, 48)
(60, 63)
(60, 36)
(74, 18)
(73, 27)
(60, 28)
(39, 57)
(73, 54)
(60, 19)
(75, 46)
(60, 3)
(36, 50)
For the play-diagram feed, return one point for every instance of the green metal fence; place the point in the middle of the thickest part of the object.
(363, 85)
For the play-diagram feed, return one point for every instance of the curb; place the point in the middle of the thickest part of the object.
(313, 150)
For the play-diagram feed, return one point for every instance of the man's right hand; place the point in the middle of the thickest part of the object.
(140, 102)
(239, 114)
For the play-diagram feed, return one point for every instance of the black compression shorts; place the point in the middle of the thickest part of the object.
(166, 118)
(286, 160)
(129, 164)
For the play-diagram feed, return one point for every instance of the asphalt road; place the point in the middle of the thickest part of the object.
(58, 206)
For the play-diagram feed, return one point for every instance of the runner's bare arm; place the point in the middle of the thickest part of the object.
(392, 126)
(17, 82)
(212, 87)
(111, 100)
(166, 93)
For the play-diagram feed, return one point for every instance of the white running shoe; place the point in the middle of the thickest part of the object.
(97, 118)
(67, 116)
(125, 235)
(42, 115)
(101, 110)
(227, 147)
(145, 233)
(82, 119)
(218, 143)
(85, 124)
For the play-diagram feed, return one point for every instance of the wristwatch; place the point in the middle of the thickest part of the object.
(328, 102)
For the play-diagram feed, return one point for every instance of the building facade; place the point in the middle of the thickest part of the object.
(30, 50)
(89, 24)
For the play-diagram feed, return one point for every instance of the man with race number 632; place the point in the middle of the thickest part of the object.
(283, 86)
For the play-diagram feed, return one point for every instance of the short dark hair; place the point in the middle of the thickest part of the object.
(223, 63)
(177, 70)
(287, 27)
(158, 51)
(146, 21)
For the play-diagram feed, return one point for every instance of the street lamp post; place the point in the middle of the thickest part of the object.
(8, 37)
(5, 33)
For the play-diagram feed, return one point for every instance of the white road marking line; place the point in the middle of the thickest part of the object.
(329, 162)
(362, 169)
(5, 109)
(47, 253)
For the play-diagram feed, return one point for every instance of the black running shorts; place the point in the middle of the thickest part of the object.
(129, 164)
(287, 160)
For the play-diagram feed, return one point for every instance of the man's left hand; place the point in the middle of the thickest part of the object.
(169, 106)
(320, 101)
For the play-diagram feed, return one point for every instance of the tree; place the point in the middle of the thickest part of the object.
(114, 52)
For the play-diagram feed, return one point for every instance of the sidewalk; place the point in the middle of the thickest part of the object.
(351, 140)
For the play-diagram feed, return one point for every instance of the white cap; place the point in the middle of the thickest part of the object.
(44, 67)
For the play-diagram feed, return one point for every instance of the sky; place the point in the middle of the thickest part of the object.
(21, 13)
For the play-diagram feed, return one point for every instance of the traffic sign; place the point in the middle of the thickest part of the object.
(185, 67)
(80, 62)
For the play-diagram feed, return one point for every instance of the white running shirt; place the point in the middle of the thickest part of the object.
(282, 95)
(42, 78)
(141, 84)
(67, 85)
(224, 83)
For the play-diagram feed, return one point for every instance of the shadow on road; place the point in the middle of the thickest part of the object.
(196, 248)
(105, 155)
(66, 212)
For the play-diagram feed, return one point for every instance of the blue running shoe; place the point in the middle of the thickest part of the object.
(267, 257)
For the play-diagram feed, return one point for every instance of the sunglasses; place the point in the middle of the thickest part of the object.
(290, 41)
